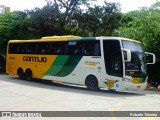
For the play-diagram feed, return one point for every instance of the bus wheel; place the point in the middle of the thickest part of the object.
(28, 74)
(91, 82)
(20, 73)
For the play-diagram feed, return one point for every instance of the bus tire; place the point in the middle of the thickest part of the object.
(20, 73)
(28, 74)
(91, 82)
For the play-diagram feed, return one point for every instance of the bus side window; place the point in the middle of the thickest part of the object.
(53, 50)
(59, 51)
(57, 48)
(31, 48)
(78, 49)
(87, 48)
(84, 48)
(18, 50)
(23, 51)
(91, 48)
(45, 48)
(89, 51)
(97, 51)
(39, 48)
(42, 48)
(71, 48)
(12, 48)
(21, 48)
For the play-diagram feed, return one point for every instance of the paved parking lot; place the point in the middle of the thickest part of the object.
(22, 95)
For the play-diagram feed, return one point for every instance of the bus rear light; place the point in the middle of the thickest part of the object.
(131, 73)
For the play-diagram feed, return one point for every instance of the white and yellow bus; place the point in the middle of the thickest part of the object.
(96, 62)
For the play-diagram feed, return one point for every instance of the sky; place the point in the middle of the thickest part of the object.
(126, 5)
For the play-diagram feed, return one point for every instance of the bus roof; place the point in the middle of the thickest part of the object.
(49, 38)
(57, 38)
(104, 37)
(71, 38)
(121, 38)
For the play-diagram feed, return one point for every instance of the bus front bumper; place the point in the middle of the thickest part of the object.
(129, 86)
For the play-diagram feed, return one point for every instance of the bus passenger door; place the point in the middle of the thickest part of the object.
(113, 64)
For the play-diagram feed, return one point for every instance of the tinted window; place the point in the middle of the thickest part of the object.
(21, 48)
(57, 48)
(12, 48)
(91, 48)
(86, 48)
(42, 48)
(30, 48)
(74, 48)
(113, 57)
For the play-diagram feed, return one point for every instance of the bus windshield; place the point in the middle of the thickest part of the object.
(137, 67)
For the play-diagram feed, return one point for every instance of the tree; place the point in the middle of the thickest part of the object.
(156, 5)
(14, 25)
(60, 17)
(68, 7)
(6, 21)
(143, 25)
(99, 20)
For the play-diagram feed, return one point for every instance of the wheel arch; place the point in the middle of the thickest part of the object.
(20, 69)
(93, 75)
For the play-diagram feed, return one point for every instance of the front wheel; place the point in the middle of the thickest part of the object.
(92, 82)
(28, 74)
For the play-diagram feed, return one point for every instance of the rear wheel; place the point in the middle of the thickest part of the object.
(92, 82)
(20, 73)
(28, 74)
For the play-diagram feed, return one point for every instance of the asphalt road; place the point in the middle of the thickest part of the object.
(38, 95)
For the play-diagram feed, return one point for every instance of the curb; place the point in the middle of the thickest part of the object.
(153, 89)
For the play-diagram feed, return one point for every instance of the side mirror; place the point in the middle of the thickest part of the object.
(153, 58)
(127, 55)
(2, 57)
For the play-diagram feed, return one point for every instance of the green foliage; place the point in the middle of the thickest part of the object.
(6, 22)
(99, 20)
(14, 25)
(143, 25)
(60, 17)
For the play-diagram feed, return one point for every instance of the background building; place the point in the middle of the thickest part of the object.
(4, 9)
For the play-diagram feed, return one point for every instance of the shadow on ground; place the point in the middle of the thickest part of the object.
(69, 88)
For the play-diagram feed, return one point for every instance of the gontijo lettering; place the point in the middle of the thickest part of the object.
(34, 59)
